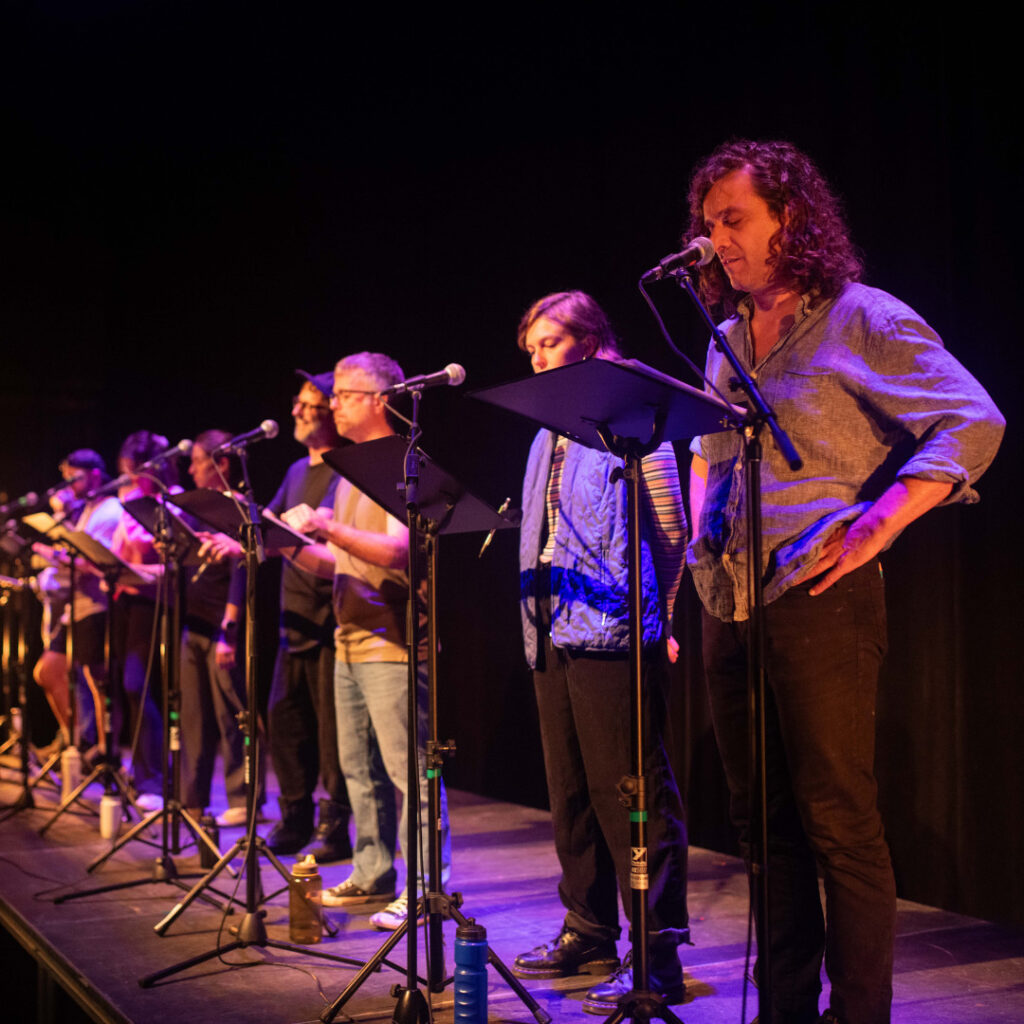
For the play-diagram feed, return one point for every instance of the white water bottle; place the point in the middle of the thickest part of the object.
(110, 816)
(70, 771)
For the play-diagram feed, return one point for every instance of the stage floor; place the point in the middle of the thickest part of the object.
(949, 969)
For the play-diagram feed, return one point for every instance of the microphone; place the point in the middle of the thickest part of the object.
(266, 430)
(19, 504)
(452, 374)
(110, 487)
(64, 484)
(183, 447)
(698, 253)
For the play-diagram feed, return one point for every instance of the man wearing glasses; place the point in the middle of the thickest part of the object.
(303, 734)
(365, 550)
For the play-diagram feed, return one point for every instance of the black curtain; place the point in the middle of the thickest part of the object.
(201, 197)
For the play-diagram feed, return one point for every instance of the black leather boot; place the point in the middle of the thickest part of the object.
(570, 953)
(331, 836)
(294, 829)
(665, 977)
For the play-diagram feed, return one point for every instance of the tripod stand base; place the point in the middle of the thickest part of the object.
(441, 905)
(411, 1007)
(642, 1006)
(251, 931)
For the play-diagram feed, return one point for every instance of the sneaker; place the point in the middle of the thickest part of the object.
(149, 801)
(235, 816)
(348, 894)
(232, 817)
(393, 916)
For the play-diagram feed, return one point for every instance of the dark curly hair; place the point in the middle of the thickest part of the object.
(811, 250)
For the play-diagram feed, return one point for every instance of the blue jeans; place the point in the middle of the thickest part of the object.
(823, 656)
(371, 704)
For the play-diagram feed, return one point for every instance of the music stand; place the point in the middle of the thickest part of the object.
(15, 669)
(179, 546)
(236, 516)
(45, 526)
(627, 409)
(114, 571)
(442, 505)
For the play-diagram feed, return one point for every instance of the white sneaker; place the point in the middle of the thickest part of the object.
(149, 801)
(393, 916)
(232, 817)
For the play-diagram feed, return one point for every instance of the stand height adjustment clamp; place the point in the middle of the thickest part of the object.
(633, 791)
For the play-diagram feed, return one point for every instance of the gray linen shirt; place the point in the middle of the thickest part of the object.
(868, 394)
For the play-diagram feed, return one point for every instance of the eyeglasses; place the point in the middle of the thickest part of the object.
(342, 396)
(307, 406)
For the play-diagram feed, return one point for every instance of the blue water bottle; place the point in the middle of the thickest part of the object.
(471, 973)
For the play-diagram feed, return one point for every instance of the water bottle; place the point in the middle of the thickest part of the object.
(305, 913)
(70, 771)
(110, 815)
(471, 973)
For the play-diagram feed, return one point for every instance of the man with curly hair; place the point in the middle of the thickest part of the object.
(888, 425)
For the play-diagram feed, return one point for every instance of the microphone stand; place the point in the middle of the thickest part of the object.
(442, 505)
(628, 410)
(750, 432)
(13, 664)
(16, 673)
(76, 793)
(171, 814)
(412, 1006)
(251, 931)
(106, 769)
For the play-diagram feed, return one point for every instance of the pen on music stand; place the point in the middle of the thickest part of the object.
(487, 540)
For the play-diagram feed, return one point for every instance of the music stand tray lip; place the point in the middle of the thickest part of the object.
(625, 396)
(220, 512)
(42, 522)
(92, 550)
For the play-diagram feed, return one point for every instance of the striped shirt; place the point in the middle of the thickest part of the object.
(661, 508)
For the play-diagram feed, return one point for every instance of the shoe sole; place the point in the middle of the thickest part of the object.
(603, 966)
(604, 1007)
(392, 927)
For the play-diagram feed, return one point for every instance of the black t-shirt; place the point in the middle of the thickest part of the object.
(306, 615)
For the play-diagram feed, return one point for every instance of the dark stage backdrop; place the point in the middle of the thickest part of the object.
(200, 197)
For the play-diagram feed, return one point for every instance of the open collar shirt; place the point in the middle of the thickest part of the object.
(868, 394)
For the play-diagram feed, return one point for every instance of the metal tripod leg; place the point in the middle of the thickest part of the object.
(101, 771)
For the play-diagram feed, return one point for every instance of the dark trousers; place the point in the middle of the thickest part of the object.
(303, 733)
(141, 687)
(211, 700)
(823, 658)
(584, 705)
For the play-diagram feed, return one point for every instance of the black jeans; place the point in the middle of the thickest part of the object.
(823, 658)
(303, 734)
(584, 705)
(141, 687)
